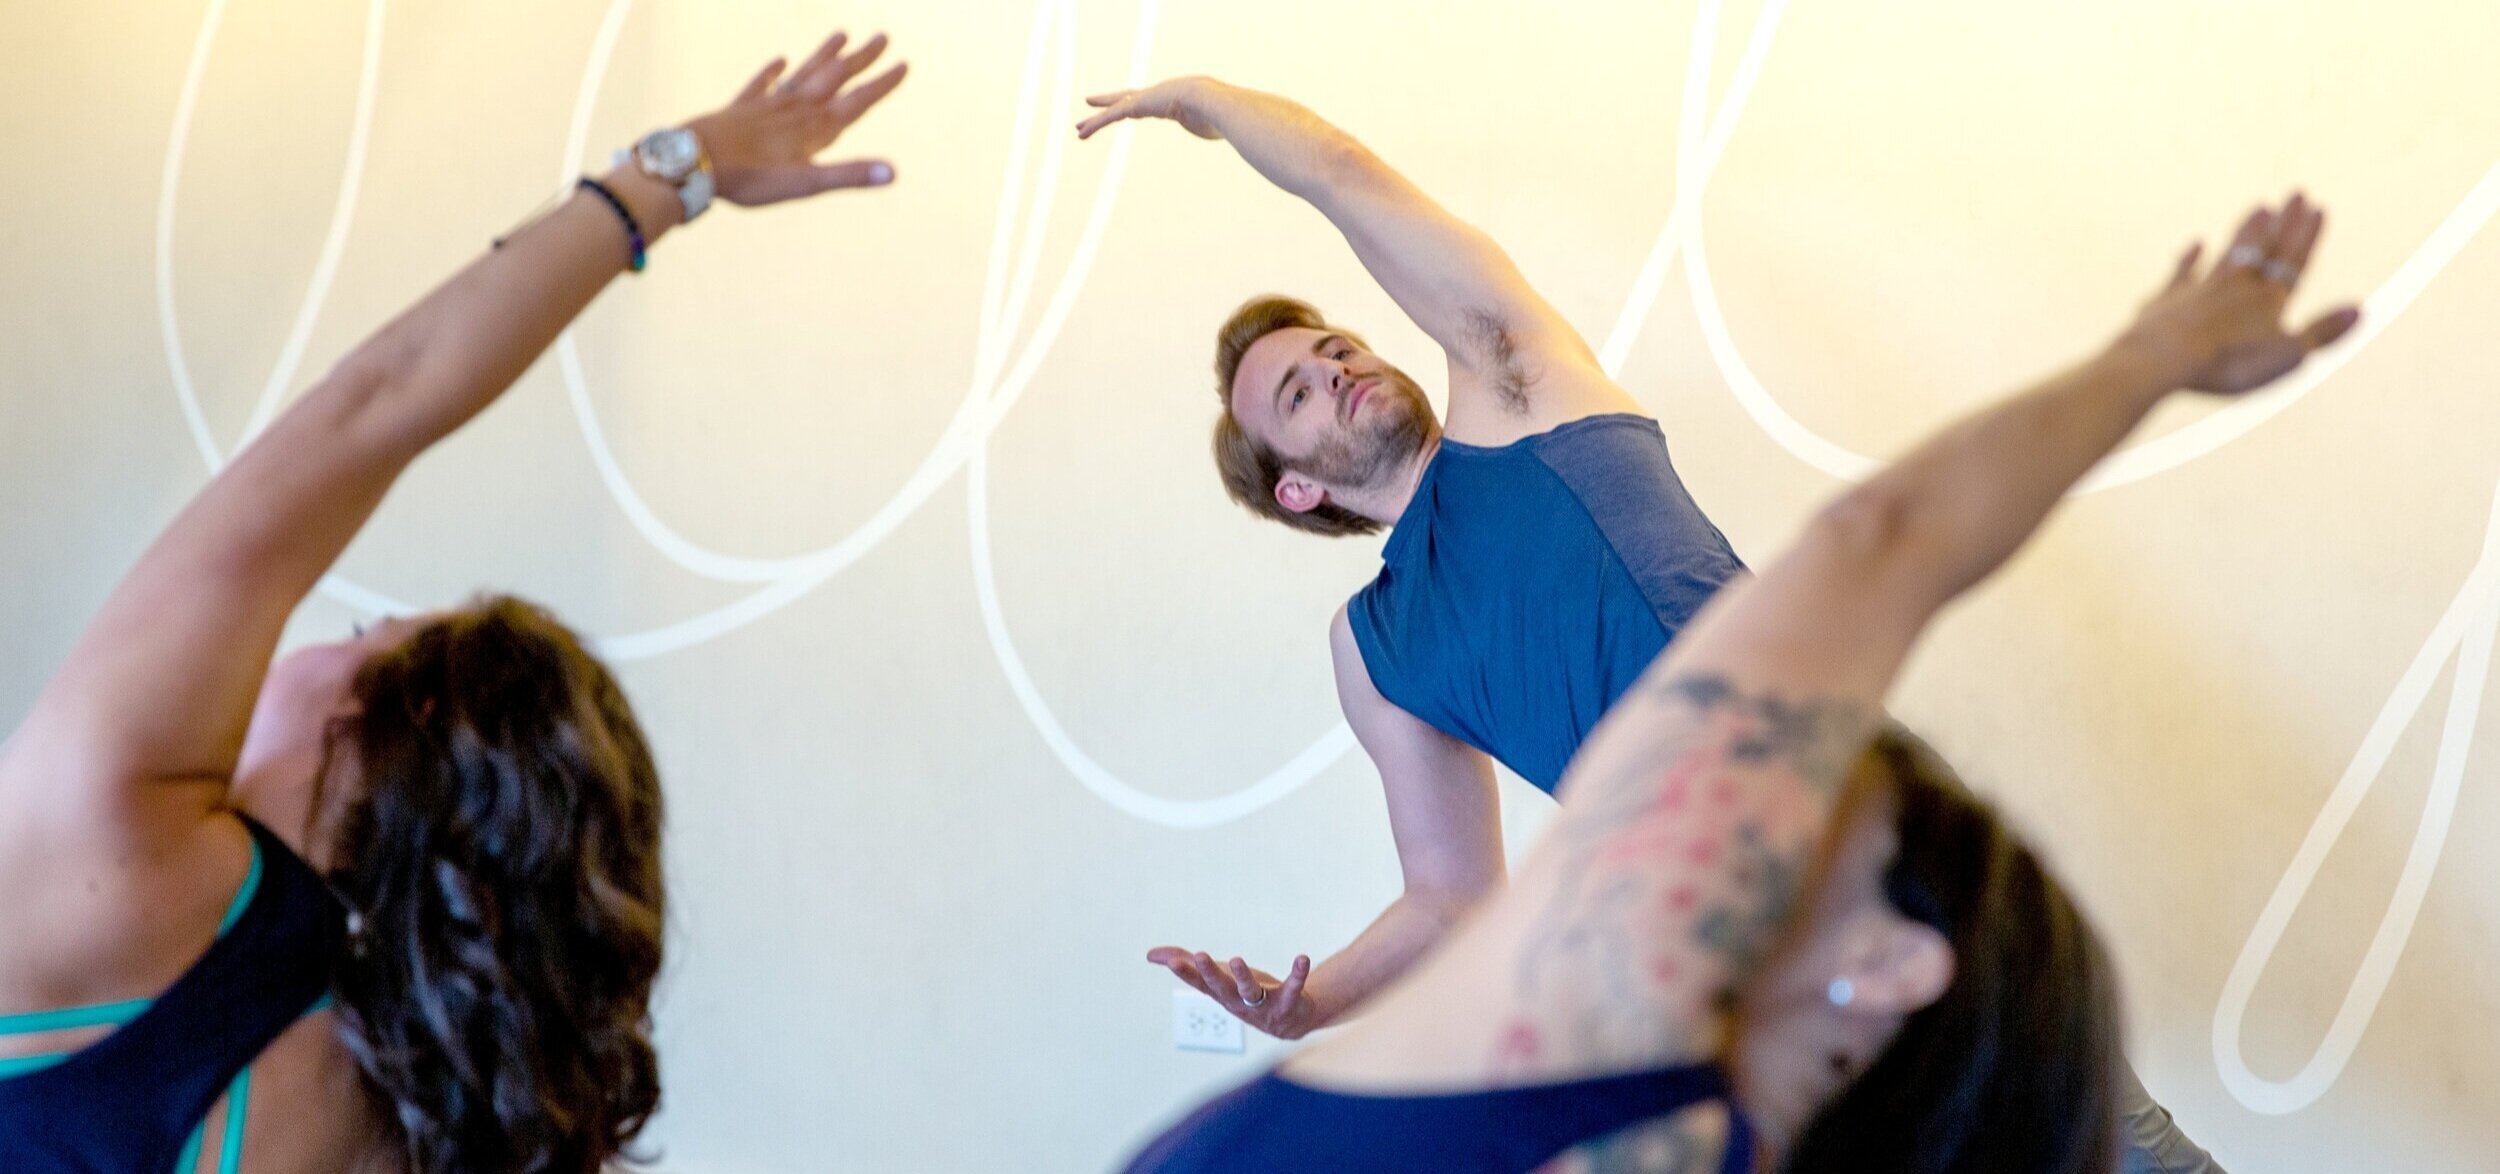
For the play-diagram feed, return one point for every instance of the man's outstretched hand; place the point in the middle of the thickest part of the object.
(1169, 99)
(1253, 996)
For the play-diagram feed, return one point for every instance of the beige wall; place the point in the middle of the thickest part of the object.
(908, 924)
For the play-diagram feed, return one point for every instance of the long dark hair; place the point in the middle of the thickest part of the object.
(2013, 1068)
(503, 869)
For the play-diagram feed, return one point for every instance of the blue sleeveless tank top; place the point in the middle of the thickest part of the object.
(132, 1102)
(1526, 587)
(1272, 1124)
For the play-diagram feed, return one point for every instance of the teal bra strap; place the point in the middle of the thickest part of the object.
(189, 1162)
(242, 896)
(230, 1151)
(21, 1065)
(70, 1018)
(238, 1103)
(238, 1094)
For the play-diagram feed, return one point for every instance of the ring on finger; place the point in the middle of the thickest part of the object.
(1247, 1002)
(2280, 271)
(2245, 256)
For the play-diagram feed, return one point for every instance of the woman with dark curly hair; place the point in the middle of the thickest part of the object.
(393, 903)
(1768, 929)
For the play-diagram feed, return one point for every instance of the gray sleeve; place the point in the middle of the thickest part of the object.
(2155, 1145)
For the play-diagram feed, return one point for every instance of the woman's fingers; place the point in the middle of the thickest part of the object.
(763, 80)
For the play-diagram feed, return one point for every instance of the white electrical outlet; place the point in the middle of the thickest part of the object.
(1200, 1025)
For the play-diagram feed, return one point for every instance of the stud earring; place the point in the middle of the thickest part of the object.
(1842, 992)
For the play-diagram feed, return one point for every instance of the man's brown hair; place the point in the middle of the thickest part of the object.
(1249, 468)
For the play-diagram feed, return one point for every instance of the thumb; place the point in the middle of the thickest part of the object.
(2330, 326)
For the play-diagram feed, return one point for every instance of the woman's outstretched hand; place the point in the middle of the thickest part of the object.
(764, 144)
(2224, 324)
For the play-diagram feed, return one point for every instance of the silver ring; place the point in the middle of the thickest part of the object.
(1257, 1002)
(2245, 257)
(2280, 271)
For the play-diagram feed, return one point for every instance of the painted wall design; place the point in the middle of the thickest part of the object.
(971, 687)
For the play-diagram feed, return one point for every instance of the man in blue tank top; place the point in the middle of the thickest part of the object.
(1541, 549)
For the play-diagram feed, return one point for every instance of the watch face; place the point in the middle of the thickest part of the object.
(668, 154)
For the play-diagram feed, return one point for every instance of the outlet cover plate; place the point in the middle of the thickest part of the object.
(1199, 1024)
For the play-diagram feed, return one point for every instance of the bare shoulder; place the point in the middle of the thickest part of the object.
(118, 908)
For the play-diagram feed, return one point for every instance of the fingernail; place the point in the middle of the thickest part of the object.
(880, 174)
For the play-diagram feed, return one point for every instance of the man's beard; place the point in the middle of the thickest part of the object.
(1397, 429)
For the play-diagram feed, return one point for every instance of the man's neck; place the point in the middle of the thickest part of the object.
(1385, 501)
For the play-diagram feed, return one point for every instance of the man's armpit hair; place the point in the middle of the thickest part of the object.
(1494, 346)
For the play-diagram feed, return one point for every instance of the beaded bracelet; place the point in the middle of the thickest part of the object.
(633, 230)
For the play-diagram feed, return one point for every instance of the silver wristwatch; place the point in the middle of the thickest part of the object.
(674, 157)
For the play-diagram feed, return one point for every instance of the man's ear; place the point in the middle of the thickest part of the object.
(1299, 493)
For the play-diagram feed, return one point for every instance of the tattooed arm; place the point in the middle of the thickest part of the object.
(1696, 808)
(1686, 1141)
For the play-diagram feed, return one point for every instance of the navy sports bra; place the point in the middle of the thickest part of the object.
(136, 1100)
(1273, 1124)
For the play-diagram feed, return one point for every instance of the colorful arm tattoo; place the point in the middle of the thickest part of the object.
(1673, 883)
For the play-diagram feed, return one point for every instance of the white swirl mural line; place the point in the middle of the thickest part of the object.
(2468, 628)
(787, 579)
(1107, 786)
(2465, 631)
(2477, 607)
(952, 446)
(325, 265)
(1332, 743)
(1697, 158)
(1692, 168)
(2160, 454)
(317, 291)
(984, 406)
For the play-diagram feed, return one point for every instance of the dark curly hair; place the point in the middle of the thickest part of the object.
(503, 866)
(2014, 1067)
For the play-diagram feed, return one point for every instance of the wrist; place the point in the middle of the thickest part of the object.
(1197, 97)
(2159, 361)
(1313, 1013)
(654, 204)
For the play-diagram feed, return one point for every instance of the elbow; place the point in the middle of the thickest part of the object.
(1340, 165)
(359, 380)
(389, 356)
(1870, 526)
(1341, 157)
(1891, 543)
(356, 402)
(1445, 902)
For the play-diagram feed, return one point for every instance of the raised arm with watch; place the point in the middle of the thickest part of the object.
(169, 759)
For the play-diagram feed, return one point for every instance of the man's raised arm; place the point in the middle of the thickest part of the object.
(1503, 339)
